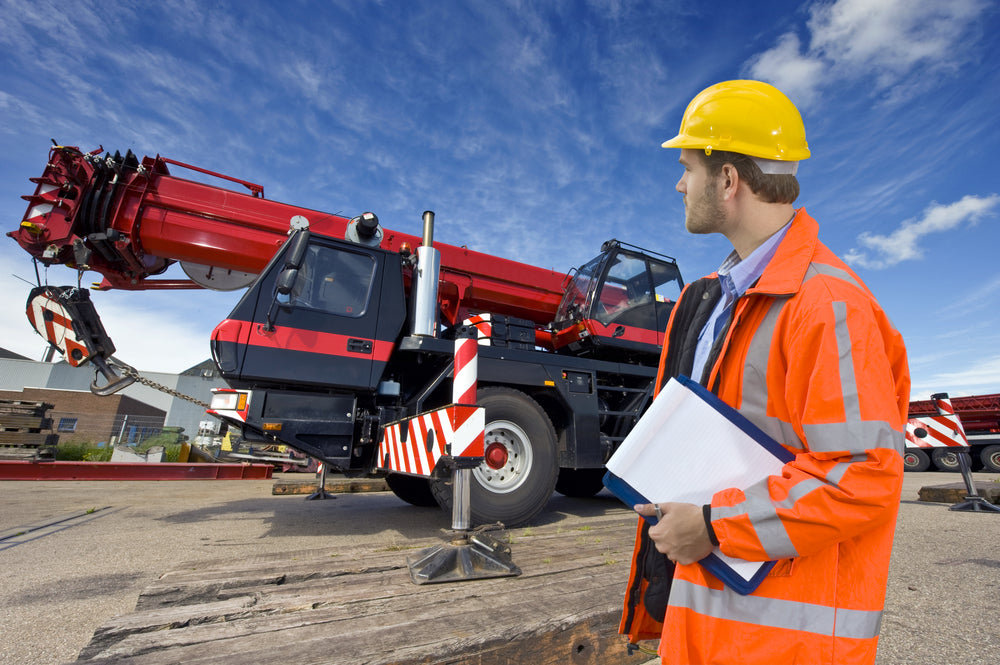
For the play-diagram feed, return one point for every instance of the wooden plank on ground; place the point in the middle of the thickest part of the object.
(26, 453)
(336, 606)
(334, 485)
(956, 492)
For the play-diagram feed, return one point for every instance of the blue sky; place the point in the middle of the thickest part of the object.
(532, 129)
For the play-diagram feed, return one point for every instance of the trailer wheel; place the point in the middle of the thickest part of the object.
(582, 483)
(945, 459)
(516, 479)
(414, 490)
(990, 456)
(915, 459)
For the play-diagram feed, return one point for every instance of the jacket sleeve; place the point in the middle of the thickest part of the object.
(836, 376)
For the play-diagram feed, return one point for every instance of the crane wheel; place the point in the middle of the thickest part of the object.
(915, 459)
(518, 475)
(582, 483)
(990, 456)
(945, 459)
(414, 490)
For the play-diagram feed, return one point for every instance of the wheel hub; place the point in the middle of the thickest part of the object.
(496, 455)
(507, 458)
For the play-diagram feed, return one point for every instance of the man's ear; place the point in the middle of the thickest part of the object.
(730, 180)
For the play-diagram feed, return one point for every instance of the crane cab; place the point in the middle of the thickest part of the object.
(308, 341)
(617, 304)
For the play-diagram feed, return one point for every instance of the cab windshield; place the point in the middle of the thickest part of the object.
(617, 286)
(574, 302)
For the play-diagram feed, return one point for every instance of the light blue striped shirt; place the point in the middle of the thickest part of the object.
(736, 277)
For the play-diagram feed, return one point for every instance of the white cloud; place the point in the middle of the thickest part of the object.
(854, 40)
(977, 379)
(797, 75)
(890, 36)
(165, 331)
(882, 251)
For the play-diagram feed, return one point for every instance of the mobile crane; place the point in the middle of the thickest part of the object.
(940, 426)
(346, 328)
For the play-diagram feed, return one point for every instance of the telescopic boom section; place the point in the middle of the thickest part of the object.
(129, 220)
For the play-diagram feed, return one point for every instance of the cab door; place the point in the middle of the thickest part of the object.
(321, 322)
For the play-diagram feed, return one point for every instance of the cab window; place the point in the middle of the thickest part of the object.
(334, 281)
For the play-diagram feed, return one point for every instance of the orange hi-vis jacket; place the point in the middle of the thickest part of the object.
(810, 358)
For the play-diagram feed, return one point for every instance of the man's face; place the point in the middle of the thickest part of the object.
(703, 209)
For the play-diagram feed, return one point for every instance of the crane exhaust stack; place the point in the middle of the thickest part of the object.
(425, 319)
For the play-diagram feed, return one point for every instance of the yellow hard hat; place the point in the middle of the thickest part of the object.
(748, 117)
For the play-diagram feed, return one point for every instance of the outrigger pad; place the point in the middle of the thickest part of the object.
(975, 504)
(466, 557)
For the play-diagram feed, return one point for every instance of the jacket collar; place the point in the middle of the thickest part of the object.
(787, 269)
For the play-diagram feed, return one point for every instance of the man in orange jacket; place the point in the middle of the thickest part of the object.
(788, 334)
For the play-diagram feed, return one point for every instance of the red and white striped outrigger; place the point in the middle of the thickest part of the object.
(942, 430)
(416, 445)
(935, 438)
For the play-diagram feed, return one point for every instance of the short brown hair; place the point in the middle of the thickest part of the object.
(769, 188)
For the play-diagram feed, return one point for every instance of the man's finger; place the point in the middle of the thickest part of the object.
(645, 509)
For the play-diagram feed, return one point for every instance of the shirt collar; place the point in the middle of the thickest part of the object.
(736, 276)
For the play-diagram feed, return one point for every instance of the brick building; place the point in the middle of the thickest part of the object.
(80, 416)
(18, 373)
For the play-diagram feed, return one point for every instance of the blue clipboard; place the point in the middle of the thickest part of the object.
(712, 563)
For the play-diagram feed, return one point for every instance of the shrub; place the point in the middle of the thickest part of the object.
(83, 451)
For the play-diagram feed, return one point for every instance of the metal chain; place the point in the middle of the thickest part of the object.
(132, 372)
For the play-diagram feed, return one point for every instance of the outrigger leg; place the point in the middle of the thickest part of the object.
(974, 503)
(468, 554)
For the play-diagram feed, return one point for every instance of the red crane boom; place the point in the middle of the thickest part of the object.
(129, 220)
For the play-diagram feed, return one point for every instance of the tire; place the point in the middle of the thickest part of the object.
(580, 482)
(916, 459)
(519, 474)
(945, 459)
(414, 490)
(990, 456)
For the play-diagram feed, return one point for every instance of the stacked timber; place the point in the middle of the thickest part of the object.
(23, 434)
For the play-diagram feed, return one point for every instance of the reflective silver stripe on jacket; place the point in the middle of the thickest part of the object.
(774, 613)
(754, 403)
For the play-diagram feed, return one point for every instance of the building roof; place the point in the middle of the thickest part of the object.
(10, 355)
(200, 369)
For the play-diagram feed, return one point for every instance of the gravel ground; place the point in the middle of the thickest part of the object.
(60, 584)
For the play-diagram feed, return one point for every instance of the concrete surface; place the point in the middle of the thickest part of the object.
(61, 583)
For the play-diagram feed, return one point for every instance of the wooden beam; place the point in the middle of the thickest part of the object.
(340, 606)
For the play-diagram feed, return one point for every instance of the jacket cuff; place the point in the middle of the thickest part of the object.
(707, 512)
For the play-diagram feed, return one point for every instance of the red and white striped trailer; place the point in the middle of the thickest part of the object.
(941, 427)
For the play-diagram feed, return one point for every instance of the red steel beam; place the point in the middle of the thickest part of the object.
(29, 470)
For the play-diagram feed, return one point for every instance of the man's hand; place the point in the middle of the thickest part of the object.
(681, 533)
